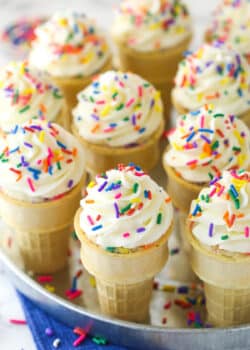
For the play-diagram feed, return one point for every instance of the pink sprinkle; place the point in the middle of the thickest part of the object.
(101, 102)
(212, 192)
(108, 129)
(202, 121)
(140, 91)
(14, 321)
(246, 231)
(192, 162)
(130, 102)
(73, 295)
(118, 195)
(221, 191)
(79, 340)
(121, 84)
(45, 279)
(126, 234)
(31, 185)
(90, 220)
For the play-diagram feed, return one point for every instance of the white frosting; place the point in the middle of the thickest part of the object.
(206, 142)
(231, 25)
(148, 25)
(118, 109)
(69, 45)
(25, 94)
(214, 75)
(221, 224)
(122, 209)
(39, 161)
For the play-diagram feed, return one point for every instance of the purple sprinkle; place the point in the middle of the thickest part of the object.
(212, 182)
(94, 116)
(134, 119)
(152, 103)
(102, 186)
(205, 138)
(211, 228)
(140, 229)
(117, 213)
(28, 144)
(49, 332)
(36, 127)
(70, 183)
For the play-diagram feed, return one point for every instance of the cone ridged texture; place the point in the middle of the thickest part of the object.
(102, 158)
(227, 283)
(71, 86)
(42, 229)
(126, 301)
(124, 281)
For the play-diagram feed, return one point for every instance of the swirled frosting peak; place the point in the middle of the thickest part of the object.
(125, 208)
(118, 109)
(148, 25)
(69, 45)
(39, 161)
(206, 142)
(26, 93)
(231, 25)
(220, 217)
(213, 74)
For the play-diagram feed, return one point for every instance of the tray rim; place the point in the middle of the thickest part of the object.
(28, 281)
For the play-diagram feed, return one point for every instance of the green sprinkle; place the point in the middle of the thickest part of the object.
(123, 210)
(126, 119)
(92, 99)
(135, 187)
(215, 145)
(24, 109)
(57, 94)
(74, 236)
(218, 115)
(211, 176)
(237, 149)
(111, 249)
(58, 164)
(224, 238)
(118, 108)
(114, 95)
(159, 218)
(99, 340)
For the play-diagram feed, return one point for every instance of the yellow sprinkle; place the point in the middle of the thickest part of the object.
(154, 26)
(158, 108)
(168, 288)
(176, 146)
(41, 136)
(63, 21)
(241, 159)
(91, 184)
(105, 111)
(200, 96)
(225, 81)
(50, 288)
(238, 183)
(122, 250)
(92, 281)
(239, 138)
(135, 200)
(87, 58)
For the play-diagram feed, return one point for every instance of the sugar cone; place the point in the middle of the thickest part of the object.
(63, 117)
(101, 158)
(245, 117)
(181, 191)
(227, 283)
(71, 86)
(124, 281)
(158, 67)
(42, 229)
(182, 219)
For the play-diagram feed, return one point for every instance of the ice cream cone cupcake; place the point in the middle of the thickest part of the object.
(71, 49)
(213, 74)
(218, 230)
(123, 224)
(42, 174)
(26, 93)
(119, 119)
(151, 36)
(204, 143)
(230, 25)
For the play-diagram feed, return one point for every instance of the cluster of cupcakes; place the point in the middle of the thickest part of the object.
(66, 112)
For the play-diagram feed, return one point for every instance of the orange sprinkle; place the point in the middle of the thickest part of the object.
(95, 128)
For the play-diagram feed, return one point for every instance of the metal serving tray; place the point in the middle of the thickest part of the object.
(168, 329)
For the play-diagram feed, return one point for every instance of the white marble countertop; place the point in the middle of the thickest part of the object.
(15, 337)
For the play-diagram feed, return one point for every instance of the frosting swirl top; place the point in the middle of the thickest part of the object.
(26, 93)
(213, 74)
(220, 216)
(69, 45)
(231, 25)
(206, 142)
(125, 208)
(118, 109)
(148, 25)
(39, 161)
